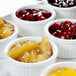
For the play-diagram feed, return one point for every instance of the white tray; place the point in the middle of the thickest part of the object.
(3, 69)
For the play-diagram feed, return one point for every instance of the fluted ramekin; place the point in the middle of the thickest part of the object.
(67, 47)
(32, 28)
(17, 68)
(4, 42)
(69, 13)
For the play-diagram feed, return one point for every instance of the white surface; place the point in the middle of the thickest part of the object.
(7, 6)
(3, 69)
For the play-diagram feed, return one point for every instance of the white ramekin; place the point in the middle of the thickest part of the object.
(61, 13)
(32, 28)
(67, 48)
(4, 42)
(50, 68)
(28, 69)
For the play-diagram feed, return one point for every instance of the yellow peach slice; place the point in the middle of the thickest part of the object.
(5, 32)
(45, 46)
(19, 51)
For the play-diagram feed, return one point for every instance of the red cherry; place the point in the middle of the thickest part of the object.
(54, 27)
(34, 10)
(46, 14)
(31, 14)
(63, 35)
(74, 24)
(21, 12)
(35, 15)
(17, 13)
(67, 30)
(54, 34)
(20, 16)
(61, 24)
(72, 31)
(58, 31)
(71, 34)
(64, 27)
(28, 10)
(29, 17)
(68, 22)
(41, 18)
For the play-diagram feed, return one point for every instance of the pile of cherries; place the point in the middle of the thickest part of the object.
(63, 3)
(63, 30)
(33, 14)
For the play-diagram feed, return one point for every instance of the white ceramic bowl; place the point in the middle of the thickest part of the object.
(28, 69)
(67, 48)
(32, 28)
(4, 42)
(69, 12)
(58, 65)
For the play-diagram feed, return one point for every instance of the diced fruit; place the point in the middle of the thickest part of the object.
(64, 27)
(54, 34)
(63, 35)
(5, 32)
(41, 57)
(45, 47)
(41, 18)
(54, 27)
(33, 55)
(46, 14)
(30, 51)
(25, 58)
(20, 16)
(68, 22)
(63, 3)
(29, 17)
(6, 29)
(21, 12)
(17, 13)
(28, 10)
(63, 30)
(35, 10)
(36, 15)
(62, 72)
(19, 51)
(33, 14)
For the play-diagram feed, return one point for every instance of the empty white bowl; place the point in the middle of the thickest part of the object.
(4, 42)
(50, 68)
(32, 28)
(67, 47)
(61, 12)
(28, 69)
